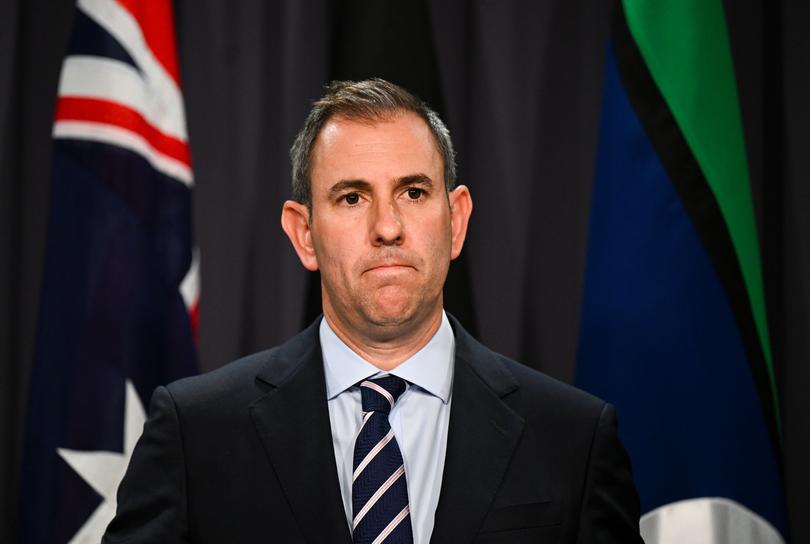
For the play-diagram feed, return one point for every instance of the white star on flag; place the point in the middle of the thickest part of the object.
(104, 470)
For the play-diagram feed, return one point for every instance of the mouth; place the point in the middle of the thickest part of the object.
(389, 267)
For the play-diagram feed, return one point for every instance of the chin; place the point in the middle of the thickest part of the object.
(391, 314)
(391, 301)
(390, 317)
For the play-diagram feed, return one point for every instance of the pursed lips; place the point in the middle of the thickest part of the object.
(383, 267)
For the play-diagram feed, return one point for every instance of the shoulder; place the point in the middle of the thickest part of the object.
(233, 380)
(549, 403)
(244, 380)
(529, 392)
(541, 390)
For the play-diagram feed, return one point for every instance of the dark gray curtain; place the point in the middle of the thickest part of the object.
(33, 37)
(789, 175)
(250, 71)
(522, 85)
(519, 84)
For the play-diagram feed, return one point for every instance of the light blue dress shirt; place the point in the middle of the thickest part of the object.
(419, 419)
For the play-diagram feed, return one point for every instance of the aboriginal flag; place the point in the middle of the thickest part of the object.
(119, 297)
(674, 328)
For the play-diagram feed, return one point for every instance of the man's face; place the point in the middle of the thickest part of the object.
(382, 232)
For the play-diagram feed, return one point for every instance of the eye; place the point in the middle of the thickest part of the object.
(352, 199)
(415, 193)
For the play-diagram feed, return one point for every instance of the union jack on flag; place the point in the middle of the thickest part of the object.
(119, 300)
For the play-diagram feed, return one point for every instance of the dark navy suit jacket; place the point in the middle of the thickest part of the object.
(244, 454)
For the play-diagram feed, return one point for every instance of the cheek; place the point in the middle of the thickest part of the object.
(437, 231)
(336, 253)
(437, 238)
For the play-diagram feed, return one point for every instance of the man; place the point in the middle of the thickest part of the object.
(384, 421)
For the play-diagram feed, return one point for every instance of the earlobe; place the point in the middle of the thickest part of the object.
(460, 210)
(295, 223)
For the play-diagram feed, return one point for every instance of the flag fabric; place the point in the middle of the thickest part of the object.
(119, 298)
(673, 324)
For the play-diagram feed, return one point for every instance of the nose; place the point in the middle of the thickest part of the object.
(386, 224)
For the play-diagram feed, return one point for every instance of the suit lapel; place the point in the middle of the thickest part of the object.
(481, 439)
(293, 423)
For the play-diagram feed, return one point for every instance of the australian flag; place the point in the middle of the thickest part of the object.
(120, 289)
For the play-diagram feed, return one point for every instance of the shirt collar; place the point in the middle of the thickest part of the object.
(430, 368)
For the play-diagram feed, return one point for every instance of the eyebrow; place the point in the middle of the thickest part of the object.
(415, 179)
(346, 184)
(363, 185)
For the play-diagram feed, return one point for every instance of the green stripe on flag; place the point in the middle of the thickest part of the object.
(686, 48)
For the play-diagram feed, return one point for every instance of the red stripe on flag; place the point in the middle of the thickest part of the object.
(113, 113)
(156, 19)
(194, 318)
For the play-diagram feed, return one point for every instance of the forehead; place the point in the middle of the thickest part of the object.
(375, 150)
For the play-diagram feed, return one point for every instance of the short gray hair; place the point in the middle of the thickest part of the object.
(368, 100)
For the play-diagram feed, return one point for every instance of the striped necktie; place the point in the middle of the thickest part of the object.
(379, 490)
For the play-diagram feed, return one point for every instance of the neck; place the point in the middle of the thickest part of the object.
(389, 351)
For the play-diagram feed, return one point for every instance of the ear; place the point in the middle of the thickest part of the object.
(295, 222)
(460, 210)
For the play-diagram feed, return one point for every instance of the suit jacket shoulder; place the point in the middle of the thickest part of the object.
(239, 454)
(541, 392)
(558, 469)
(248, 377)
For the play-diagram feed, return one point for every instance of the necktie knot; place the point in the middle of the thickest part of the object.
(380, 394)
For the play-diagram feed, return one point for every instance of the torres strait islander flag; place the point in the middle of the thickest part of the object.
(118, 304)
(674, 328)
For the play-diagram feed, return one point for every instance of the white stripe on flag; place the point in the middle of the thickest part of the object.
(190, 286)
(109, 79)
(163, 90)
(113, 135)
